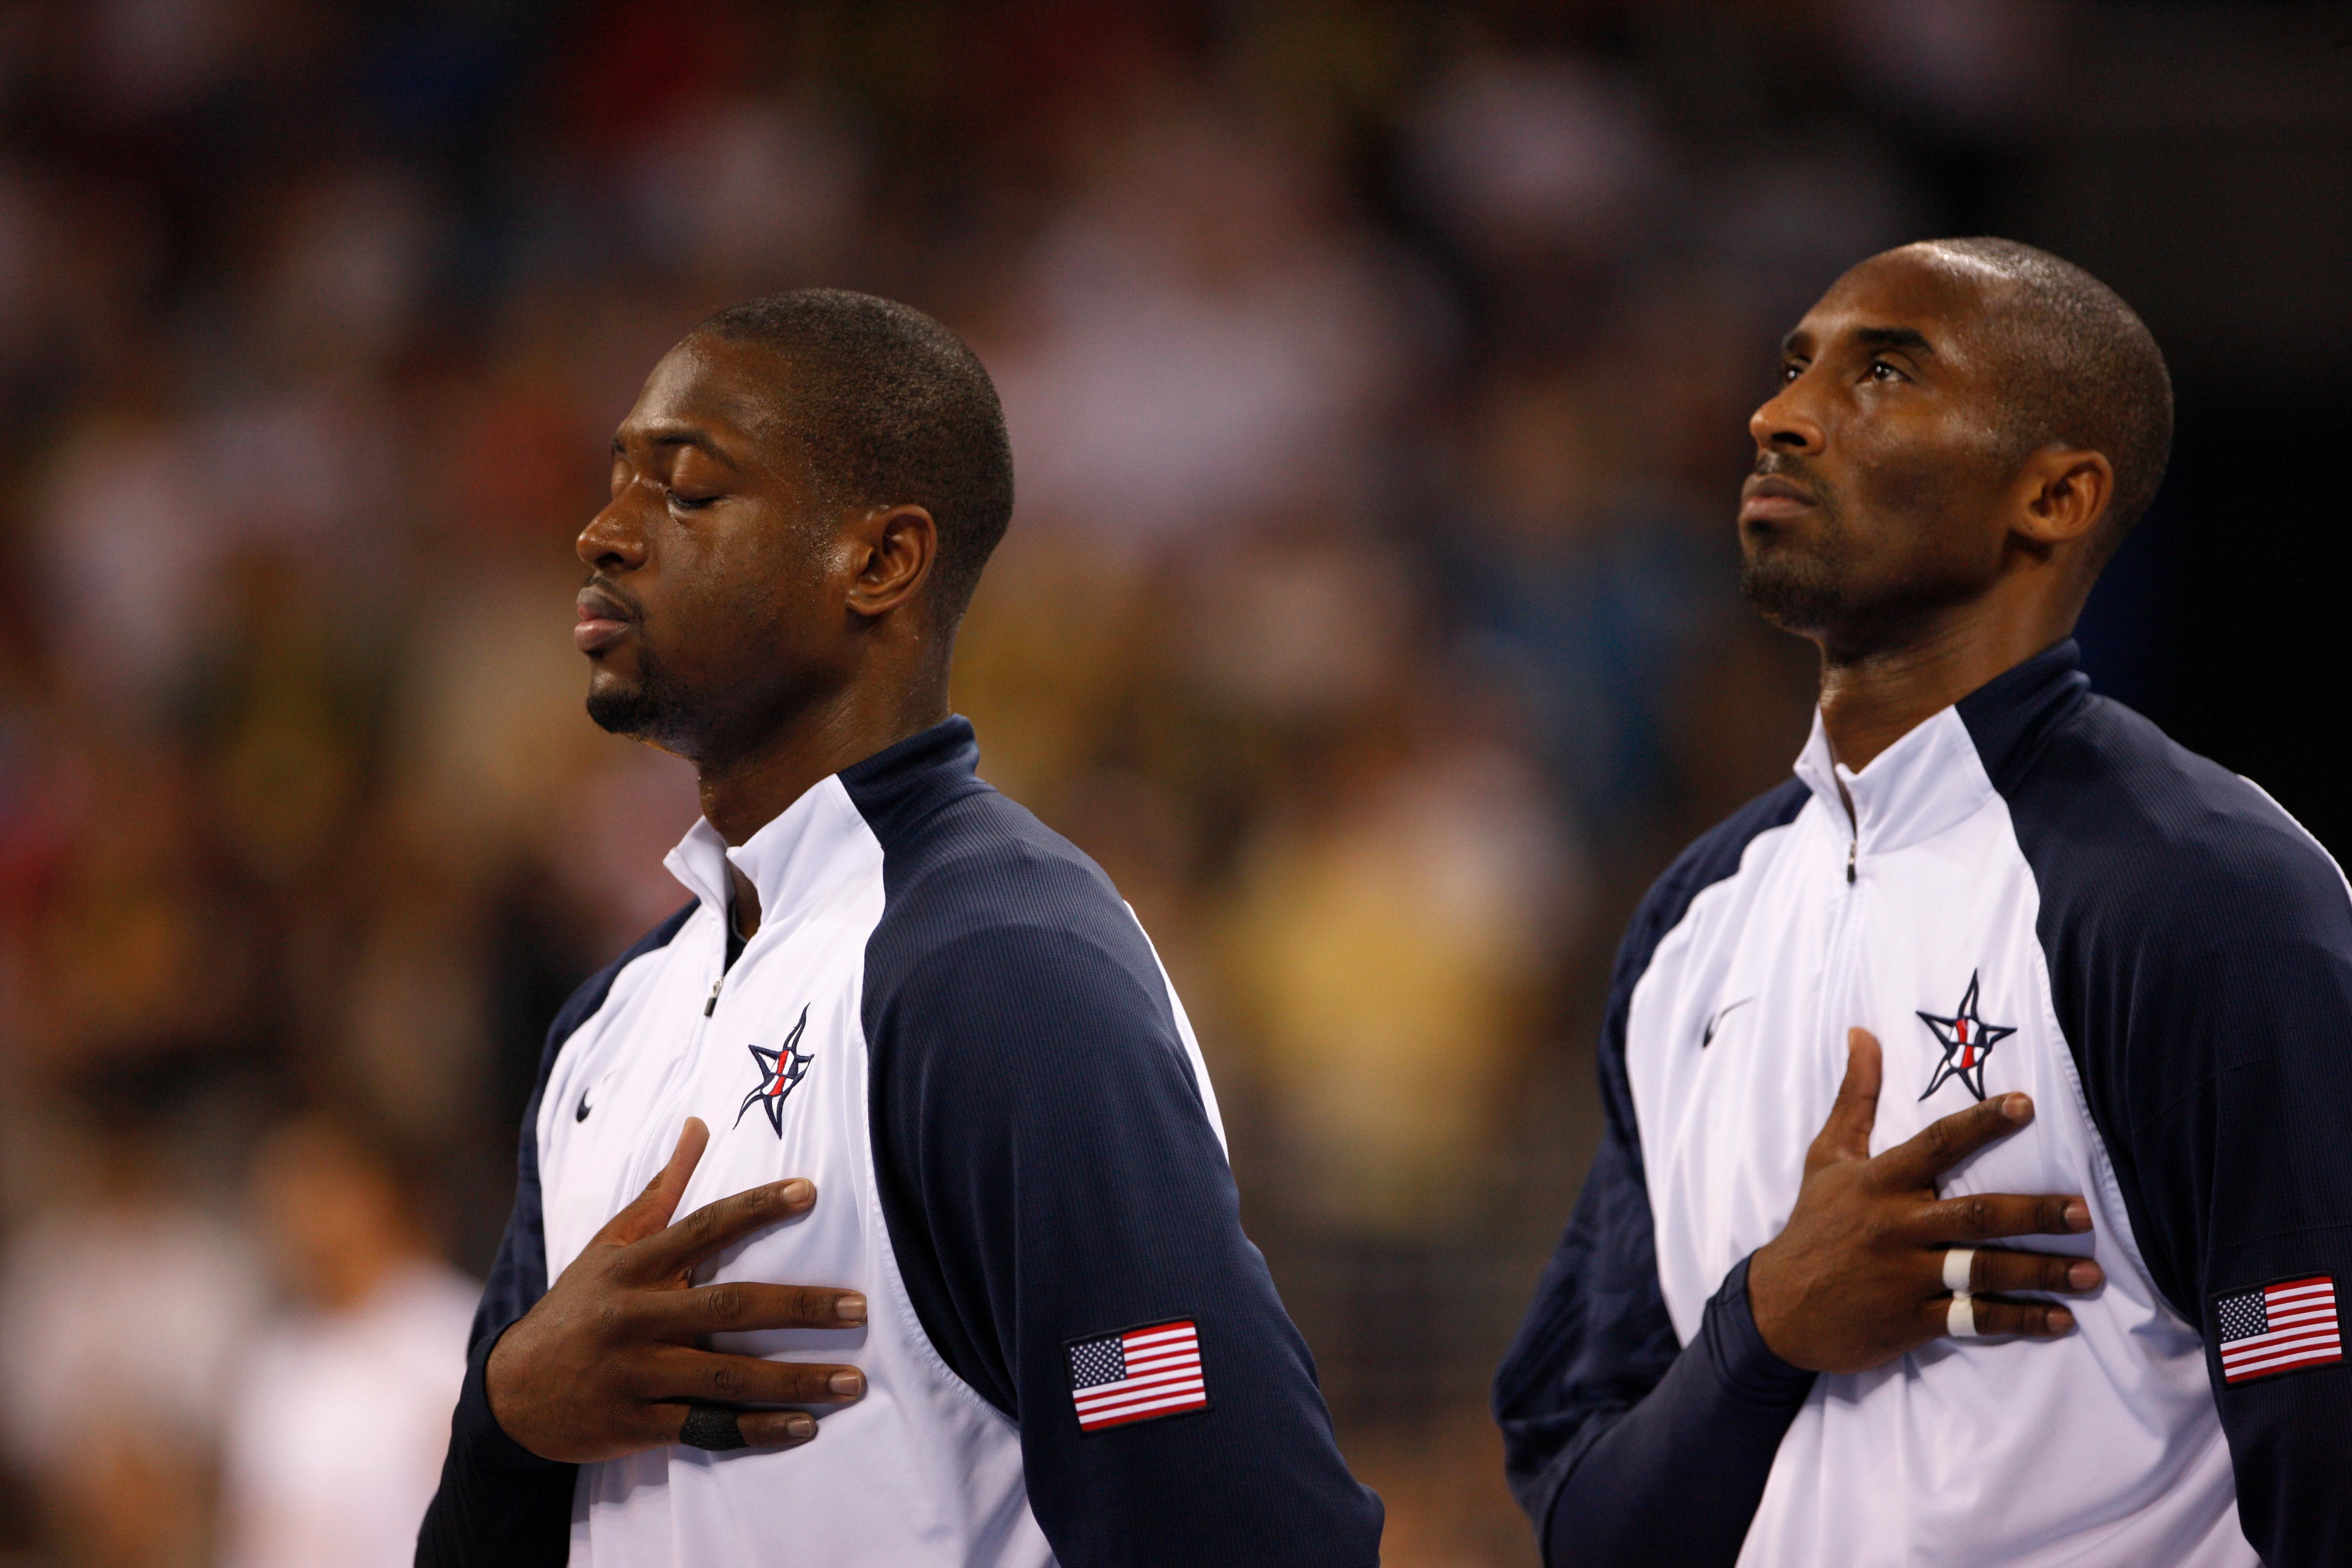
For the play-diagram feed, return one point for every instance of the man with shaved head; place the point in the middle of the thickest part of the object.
(873, 1209)
(1975, 1185)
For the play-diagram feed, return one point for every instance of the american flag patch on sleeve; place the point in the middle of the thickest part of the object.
(2283, 1327)
(1137, 1374)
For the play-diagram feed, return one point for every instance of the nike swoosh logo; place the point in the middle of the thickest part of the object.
(1716, 1023)
(582, 1114)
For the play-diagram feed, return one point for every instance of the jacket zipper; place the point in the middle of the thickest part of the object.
(672, 1090)
(1844, 938)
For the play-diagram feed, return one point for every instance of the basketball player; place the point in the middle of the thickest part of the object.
(1975, 1186)
(961, 1279)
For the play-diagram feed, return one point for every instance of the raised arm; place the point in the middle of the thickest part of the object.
(1622, 1445)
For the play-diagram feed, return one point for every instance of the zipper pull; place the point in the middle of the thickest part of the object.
(1852, 846)
(713, 1006)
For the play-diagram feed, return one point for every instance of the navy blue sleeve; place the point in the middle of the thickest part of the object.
(1624, 1446)
(499, 1503)
(1050, 1175)
(2199, 947)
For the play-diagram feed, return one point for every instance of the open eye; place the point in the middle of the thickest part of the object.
(1789, 371)
(1882, 371)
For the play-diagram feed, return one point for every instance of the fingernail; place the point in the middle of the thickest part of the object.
(2078, 1214)
(2016, 1107)
(797, 1192)
(800, 1428)
(850, 1307)
(2060, 1320)
(849, 1384)
(2083, 1276)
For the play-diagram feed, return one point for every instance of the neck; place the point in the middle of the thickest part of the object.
(1874, 695)
(746, 791)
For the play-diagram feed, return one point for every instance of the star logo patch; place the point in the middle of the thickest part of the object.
(779, 1069)
(1967, 1040)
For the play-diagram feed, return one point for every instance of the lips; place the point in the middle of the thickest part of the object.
(602, 621)
(1769, 497)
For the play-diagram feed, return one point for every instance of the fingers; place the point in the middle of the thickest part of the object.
(681, 1374)
(1997, 1318)
(1943, 1143)
(1996, 1271)
(653, 1207)
(760, 1429)
(672, 1252)
(741, 1305)
(776, 1428)
(1985, 1216)
(1846, 1133)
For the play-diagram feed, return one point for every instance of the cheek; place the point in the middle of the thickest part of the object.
(1923, 504)
(711, 577)
(773, 591)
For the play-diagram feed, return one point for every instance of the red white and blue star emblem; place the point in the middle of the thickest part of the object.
(779, 1069)
(1967, 1040)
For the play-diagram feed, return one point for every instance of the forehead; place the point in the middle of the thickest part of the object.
(1950, 302)
(733, 391)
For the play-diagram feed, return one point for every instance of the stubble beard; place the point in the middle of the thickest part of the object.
(1800, 586)
(647, 710)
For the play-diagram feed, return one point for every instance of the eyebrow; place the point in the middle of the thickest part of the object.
(682, 435)
(1893, 338)
(1799, 341)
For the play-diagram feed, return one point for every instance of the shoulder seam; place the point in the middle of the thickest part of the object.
(1714, 857)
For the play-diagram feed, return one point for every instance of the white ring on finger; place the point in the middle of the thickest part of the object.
(1958, 1263)
(1960, 1319)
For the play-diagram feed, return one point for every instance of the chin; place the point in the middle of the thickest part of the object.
(1792, 590)
(639, 711)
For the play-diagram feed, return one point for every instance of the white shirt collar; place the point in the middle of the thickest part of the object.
(1929, 781)
(789, 861)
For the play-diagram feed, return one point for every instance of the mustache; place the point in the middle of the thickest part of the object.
(1797, 471)
(618, 595)
(1788, 465)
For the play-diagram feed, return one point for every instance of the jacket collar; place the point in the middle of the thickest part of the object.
(796, 857)
(1950, 764)
(2010, 716)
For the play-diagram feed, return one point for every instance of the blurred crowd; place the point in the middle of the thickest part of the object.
(1378, 375)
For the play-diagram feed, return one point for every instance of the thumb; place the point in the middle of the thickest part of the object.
(653, 1207)
(1846, 1134)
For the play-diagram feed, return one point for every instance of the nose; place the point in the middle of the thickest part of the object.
(613, 541)
(1783, 424)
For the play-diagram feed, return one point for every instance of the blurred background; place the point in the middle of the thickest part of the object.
(1377, 374)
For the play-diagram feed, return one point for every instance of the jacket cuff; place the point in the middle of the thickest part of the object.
(1743, 1362)
(475, 1430)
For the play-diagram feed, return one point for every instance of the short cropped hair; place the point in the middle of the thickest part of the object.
(891, 409)
(2082, 369)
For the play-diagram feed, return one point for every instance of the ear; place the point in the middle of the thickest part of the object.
(895, 550)
(2065, 492)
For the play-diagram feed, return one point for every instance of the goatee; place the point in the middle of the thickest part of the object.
(647, 710)
(1796, 590)
(1796, 581)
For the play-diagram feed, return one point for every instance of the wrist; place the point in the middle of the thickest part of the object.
(480, 1406)
(1745, 1357)
(1759, 1296)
